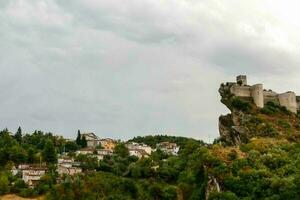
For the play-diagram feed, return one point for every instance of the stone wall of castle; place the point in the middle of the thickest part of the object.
(241, 91)
(270, 95)
(261, 97)
(257, 95)
(288, 100)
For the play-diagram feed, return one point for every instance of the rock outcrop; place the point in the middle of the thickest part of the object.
(248, 120)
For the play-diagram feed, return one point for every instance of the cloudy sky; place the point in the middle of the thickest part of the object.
(136, 67)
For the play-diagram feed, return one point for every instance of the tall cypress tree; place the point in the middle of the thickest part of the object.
(18, 135)
(78, 139)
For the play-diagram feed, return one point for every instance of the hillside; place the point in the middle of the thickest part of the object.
(255, 158)
(15, 197)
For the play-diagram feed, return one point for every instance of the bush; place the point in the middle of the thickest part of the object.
(4, 183)
(18, 186)
(240, 104)
(284, 124)
(232, 155)
(272, 108)
(222, 196)
(266, 130)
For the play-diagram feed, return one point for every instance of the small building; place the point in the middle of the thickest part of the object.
(101, 153)
(104, 152)
(168, 147)
(92, 139)
(86, 151)
(68, 170)
(65, 160)
(134, 145)
(108, 143)
(32, 174)
(140, 153)
(67, 165)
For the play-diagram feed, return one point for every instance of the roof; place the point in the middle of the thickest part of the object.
(87, 149)
(107, 139)
(105, 150)
(42, 166)
(141, 151)
(92, 135)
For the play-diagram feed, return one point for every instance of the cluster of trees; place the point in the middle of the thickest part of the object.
(36, 148)
(266, 169)
(152, 140)
(30, 148)
(159, 176)
(103, 185)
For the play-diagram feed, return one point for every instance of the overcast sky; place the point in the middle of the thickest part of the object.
(137, 67)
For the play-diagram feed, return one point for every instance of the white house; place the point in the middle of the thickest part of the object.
(68, 170)
(140, 153)
(134, 145)
(168, 147)
(104, 152)
(31, 175)
(92, 139)
(85, 151)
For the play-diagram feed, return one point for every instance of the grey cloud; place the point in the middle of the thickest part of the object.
(127, 68)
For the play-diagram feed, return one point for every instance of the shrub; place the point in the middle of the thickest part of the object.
(232, 155)
(266, 130)
(271, 108)
(284, 124)
(240, 104)
(222, 196)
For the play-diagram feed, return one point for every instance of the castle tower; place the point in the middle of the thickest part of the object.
(257, 95)
(241, 80)
(288, 100)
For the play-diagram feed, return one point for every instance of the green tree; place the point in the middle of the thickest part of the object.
(121, 150)
(49, 153)
(30, 155)
(83, 142)
(18, 135)
(78, 139)
(4, 183)
(223, 196)
(71, 146)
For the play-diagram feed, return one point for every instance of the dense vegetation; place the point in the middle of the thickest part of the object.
(153, 140)
(266, 167)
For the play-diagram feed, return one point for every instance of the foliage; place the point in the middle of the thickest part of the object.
(49, 153)
(108, 186)
(153, 140)
(264, 168)
(81, 140)
(239, 104)
(271, 108)
(121, 150)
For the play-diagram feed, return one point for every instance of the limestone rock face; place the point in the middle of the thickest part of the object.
(226, 95)
(232, 127)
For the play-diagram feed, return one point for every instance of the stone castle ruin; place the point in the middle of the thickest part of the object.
(258, 95)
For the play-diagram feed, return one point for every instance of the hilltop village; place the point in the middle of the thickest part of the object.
(92, 147)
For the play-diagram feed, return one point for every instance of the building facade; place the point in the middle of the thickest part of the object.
(259, 95)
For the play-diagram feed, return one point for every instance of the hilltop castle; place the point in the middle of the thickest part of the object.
(260, 96)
